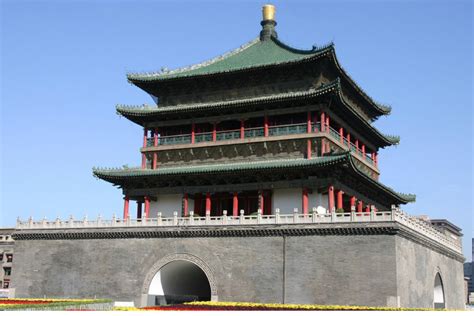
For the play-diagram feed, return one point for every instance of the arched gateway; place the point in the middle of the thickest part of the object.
(178, 278)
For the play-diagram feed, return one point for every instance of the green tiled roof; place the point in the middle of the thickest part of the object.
(256, 53)
(115, 175)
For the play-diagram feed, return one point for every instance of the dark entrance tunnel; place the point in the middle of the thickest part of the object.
(177, 282)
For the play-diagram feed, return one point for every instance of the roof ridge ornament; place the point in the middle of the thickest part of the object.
(268, 22)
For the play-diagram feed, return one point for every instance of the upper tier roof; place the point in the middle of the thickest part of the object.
(257, 54)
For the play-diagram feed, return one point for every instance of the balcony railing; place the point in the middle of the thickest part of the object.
(420, 226)
(277, 130)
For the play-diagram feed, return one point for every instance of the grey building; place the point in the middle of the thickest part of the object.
(6, 260)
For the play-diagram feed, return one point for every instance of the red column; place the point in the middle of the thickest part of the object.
(341, 133)
(193, 133)
(308, 122)
(242, 129)
(235, 204)
(261, 200)
(126, 203)
(327, 123)
(305, 201)
(323, 121)
(147, 206)
(323, 146)
(208, 202)
(349, 140)
(367, 208)
(357, 145)
(155, 159)
(145, 132)
(214, 132)
(155, 138)
(339, 199)
(331, 198)
(143, 161)
(308, 149)
(353, 203)
(265, 126)
(359, 207)
(139, 209)
(376, 159)
(363, 150)
(185, 204)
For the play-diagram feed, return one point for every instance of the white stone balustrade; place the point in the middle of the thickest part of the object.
(277, 218)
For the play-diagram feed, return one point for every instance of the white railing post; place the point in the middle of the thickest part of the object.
(259, 216)
(43, 222)
(277, 216)
(30, 222)
(113, 219)
(295, 215)
(372, 213)
(241, 217)
(159, 220)
(57, 223)
(191, 217)
(99, 221)
(224, 217)
(18, 222)
(71, 221)
(84, 221)
(314, 215)
(333, 217)
(353, 216)
(175, 218)
(208, 217)
(127, 220)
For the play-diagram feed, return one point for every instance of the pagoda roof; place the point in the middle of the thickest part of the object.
(140, 114)
(119, 176)
(256, 54)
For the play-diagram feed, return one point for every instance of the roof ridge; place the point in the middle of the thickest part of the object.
(198, 65)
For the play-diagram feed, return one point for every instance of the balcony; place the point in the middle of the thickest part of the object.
(273, 131)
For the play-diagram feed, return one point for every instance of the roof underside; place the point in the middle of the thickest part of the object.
(122, 176)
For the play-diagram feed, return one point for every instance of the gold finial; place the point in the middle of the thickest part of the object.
(268, 11)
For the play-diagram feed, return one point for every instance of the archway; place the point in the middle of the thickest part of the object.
(438, 297)
(179, 281)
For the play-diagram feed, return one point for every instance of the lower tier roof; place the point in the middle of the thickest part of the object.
(342, 163)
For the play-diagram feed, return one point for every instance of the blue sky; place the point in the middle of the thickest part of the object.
(63, 67)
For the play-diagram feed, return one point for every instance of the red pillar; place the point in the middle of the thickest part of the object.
(323, 146)
(143, 161)
(363, 150)
(265, 126)
(147, 206)
(185, 204)
(261, 200)
(155, 160)
(308, 149)
(126, 202)
(359, 207)
(323, 121)
(376, 159)
(208, 202)
(305, 201)
(139, 209)
(331, 198)
(308, 122)
(155, 138)
(214, 132)
(340, 194)
(341, 133)
(193, 133)
(145, 133)
(327, 123)
(235, 204)
(353, 203)
(349, 140)
(242, 129)
(357, 145)
(367, 208)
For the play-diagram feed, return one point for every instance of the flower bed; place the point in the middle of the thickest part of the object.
(242, 306)
(54, 304)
